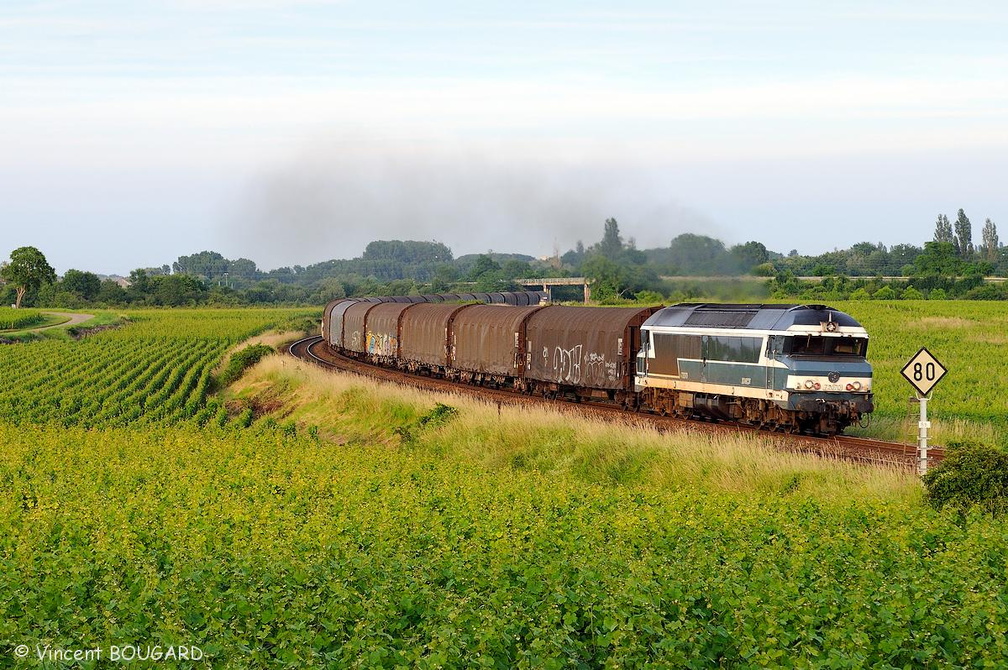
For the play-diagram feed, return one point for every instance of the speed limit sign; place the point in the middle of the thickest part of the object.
(923, 371)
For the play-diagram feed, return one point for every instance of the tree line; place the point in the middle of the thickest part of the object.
(948, 266)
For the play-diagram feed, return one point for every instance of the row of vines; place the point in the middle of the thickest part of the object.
(157, 368)
(15, 319)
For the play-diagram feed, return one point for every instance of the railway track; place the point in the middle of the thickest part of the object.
(859, 449)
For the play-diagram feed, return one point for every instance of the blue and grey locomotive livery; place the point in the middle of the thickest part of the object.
(794, 367)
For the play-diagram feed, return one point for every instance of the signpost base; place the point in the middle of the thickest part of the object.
(923, 425)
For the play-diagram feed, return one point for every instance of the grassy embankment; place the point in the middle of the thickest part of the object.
(347, 409)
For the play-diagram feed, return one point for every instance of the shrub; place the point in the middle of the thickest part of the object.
(884, 293)
(650, 297)
(438, 416)
(242, 361)
(970, 475)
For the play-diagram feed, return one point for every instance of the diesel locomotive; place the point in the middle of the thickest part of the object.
(785, 367)
(796, 367)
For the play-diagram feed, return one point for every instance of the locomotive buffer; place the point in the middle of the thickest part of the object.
(923, 371)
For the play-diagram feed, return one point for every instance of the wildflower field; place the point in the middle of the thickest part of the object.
(303, 519)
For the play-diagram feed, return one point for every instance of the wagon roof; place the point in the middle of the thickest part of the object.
(749, 316)
(584, 319)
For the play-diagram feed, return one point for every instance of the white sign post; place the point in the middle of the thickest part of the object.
(923, 371)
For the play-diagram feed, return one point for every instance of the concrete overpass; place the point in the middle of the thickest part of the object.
(548, 284)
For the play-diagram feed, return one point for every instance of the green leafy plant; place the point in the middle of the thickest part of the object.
(241, 361)
(970, 475)
(13, 319)
(439, 415)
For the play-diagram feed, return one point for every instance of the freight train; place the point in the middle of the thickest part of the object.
(785, 367)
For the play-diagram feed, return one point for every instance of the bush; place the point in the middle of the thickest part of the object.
(438, 416)
(650, 298)
(242, 361)
(986, 292)
(970, 475)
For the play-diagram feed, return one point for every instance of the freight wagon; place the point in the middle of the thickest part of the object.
(790, 367)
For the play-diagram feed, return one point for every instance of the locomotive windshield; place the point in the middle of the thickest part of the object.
(817, 345)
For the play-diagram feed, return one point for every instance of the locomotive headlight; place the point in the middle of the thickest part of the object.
(808, 383)
(857, 386)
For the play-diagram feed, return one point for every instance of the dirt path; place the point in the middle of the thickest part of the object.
(74, 320)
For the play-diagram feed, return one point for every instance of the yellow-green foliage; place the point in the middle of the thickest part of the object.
(271, 551)
(15, 319)
(156, 368)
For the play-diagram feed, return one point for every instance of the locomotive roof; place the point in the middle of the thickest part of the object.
(748, 316)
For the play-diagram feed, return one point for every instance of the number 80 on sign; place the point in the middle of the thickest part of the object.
(923, 371)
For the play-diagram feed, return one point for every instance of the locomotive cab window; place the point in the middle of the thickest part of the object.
(816, 345)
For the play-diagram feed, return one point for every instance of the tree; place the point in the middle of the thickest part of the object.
(575, 256)
(484, 264)
(111, 293)
(27, 270)
(176, 290)
(902, 255)
(139, 284)
(606, 278)
(407, 252)
(938, 259)
(990, 248)
(209, 264)
(445, 275)
(964, 236)
(943, 230)
(612, 244)
(750, 255)
(697, 255)
(85, 285)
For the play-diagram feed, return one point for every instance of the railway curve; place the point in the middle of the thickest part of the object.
(878, 452)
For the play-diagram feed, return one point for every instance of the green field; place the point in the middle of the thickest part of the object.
(303, 519)
(969, 338)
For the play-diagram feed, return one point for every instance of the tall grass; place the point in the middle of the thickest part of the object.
(559, 443)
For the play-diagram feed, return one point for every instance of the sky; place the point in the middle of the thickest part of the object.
(291, 132)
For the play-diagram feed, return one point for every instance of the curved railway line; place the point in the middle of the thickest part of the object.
(865, 450)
